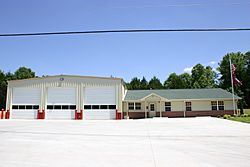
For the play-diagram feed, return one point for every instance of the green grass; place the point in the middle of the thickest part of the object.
(240, 119)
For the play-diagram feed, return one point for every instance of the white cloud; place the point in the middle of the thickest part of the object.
(188, 69)
(212, 62)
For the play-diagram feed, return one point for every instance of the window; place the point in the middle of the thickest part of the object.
(65, 107)
(167, 106)
(28, 107)
(35, 107)
(221, 105)
(22, 107)
(50, 107)
(188, 106)
(58, 107)
(72, 107)
(87, 107)
(95, 106)
(14, 107)
(138, 106)
(113, 107)
(214, 105)
(131, 106)
(103, 107)
(152, 107)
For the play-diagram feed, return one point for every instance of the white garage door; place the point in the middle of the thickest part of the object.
(25, 102)
(61, 103)
(99, 102)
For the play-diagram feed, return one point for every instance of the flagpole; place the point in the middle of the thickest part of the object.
(232, 84)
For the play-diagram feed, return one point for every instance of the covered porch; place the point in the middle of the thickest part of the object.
(150, 106)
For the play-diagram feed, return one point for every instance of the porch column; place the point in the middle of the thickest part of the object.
(145, 108)
(160, 110)
(184, 109)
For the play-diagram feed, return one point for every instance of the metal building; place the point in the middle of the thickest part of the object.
(63, 96)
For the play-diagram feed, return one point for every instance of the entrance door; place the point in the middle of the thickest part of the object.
(152, 110)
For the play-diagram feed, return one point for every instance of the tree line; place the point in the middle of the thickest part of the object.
(205, 77)
(200, 77)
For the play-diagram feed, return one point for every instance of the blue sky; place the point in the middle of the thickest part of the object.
(121, 55)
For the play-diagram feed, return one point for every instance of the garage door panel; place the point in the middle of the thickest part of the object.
(26, 96)
(61, 95)
(99, 114)
(100, 95)
(60, 114)
(24, 114)
(58, 96)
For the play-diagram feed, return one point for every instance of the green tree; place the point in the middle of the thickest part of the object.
(155, 83)
(238, 59)
(144, 83)
(173, 82)
(24, 73)
(186, 80)
(3, 88)
(241, 62)
(203, 77)
(135, 83)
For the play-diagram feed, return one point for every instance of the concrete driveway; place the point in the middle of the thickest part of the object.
(149, 143)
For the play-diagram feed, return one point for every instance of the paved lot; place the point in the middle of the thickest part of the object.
(201, 142)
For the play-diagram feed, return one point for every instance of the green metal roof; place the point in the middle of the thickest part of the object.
(175, 94)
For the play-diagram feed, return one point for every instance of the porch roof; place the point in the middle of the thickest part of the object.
(178, 94)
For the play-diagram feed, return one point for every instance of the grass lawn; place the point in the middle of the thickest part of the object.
(240, 119)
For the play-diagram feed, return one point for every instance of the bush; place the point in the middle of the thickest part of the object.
(226, 116)
(244, 115)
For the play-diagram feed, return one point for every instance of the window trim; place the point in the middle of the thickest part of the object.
(133, 104)
(169, 106)
(221, 105)
(186, 106)
(135, 107)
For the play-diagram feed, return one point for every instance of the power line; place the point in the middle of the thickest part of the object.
(124, 31)
(183, 5)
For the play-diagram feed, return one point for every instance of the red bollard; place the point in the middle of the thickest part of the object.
(81, 114)
(7, 114)
(43, 115)
(2, 114)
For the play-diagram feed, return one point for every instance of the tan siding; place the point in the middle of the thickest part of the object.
(228, 105)
(125, 107)
(201, 105)
(177, 106)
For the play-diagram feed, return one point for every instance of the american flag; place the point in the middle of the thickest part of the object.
(235, 80)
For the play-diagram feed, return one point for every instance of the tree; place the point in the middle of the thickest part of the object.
(24, 73)
(144, 83)
(135, 83)
(3, 88)
(155, 83)
(203, 77)
(242, 63)
(186, 80)
(238, 59)
(173, 82)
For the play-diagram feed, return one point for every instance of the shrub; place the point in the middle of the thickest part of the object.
(226, 116)
(244, 115)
